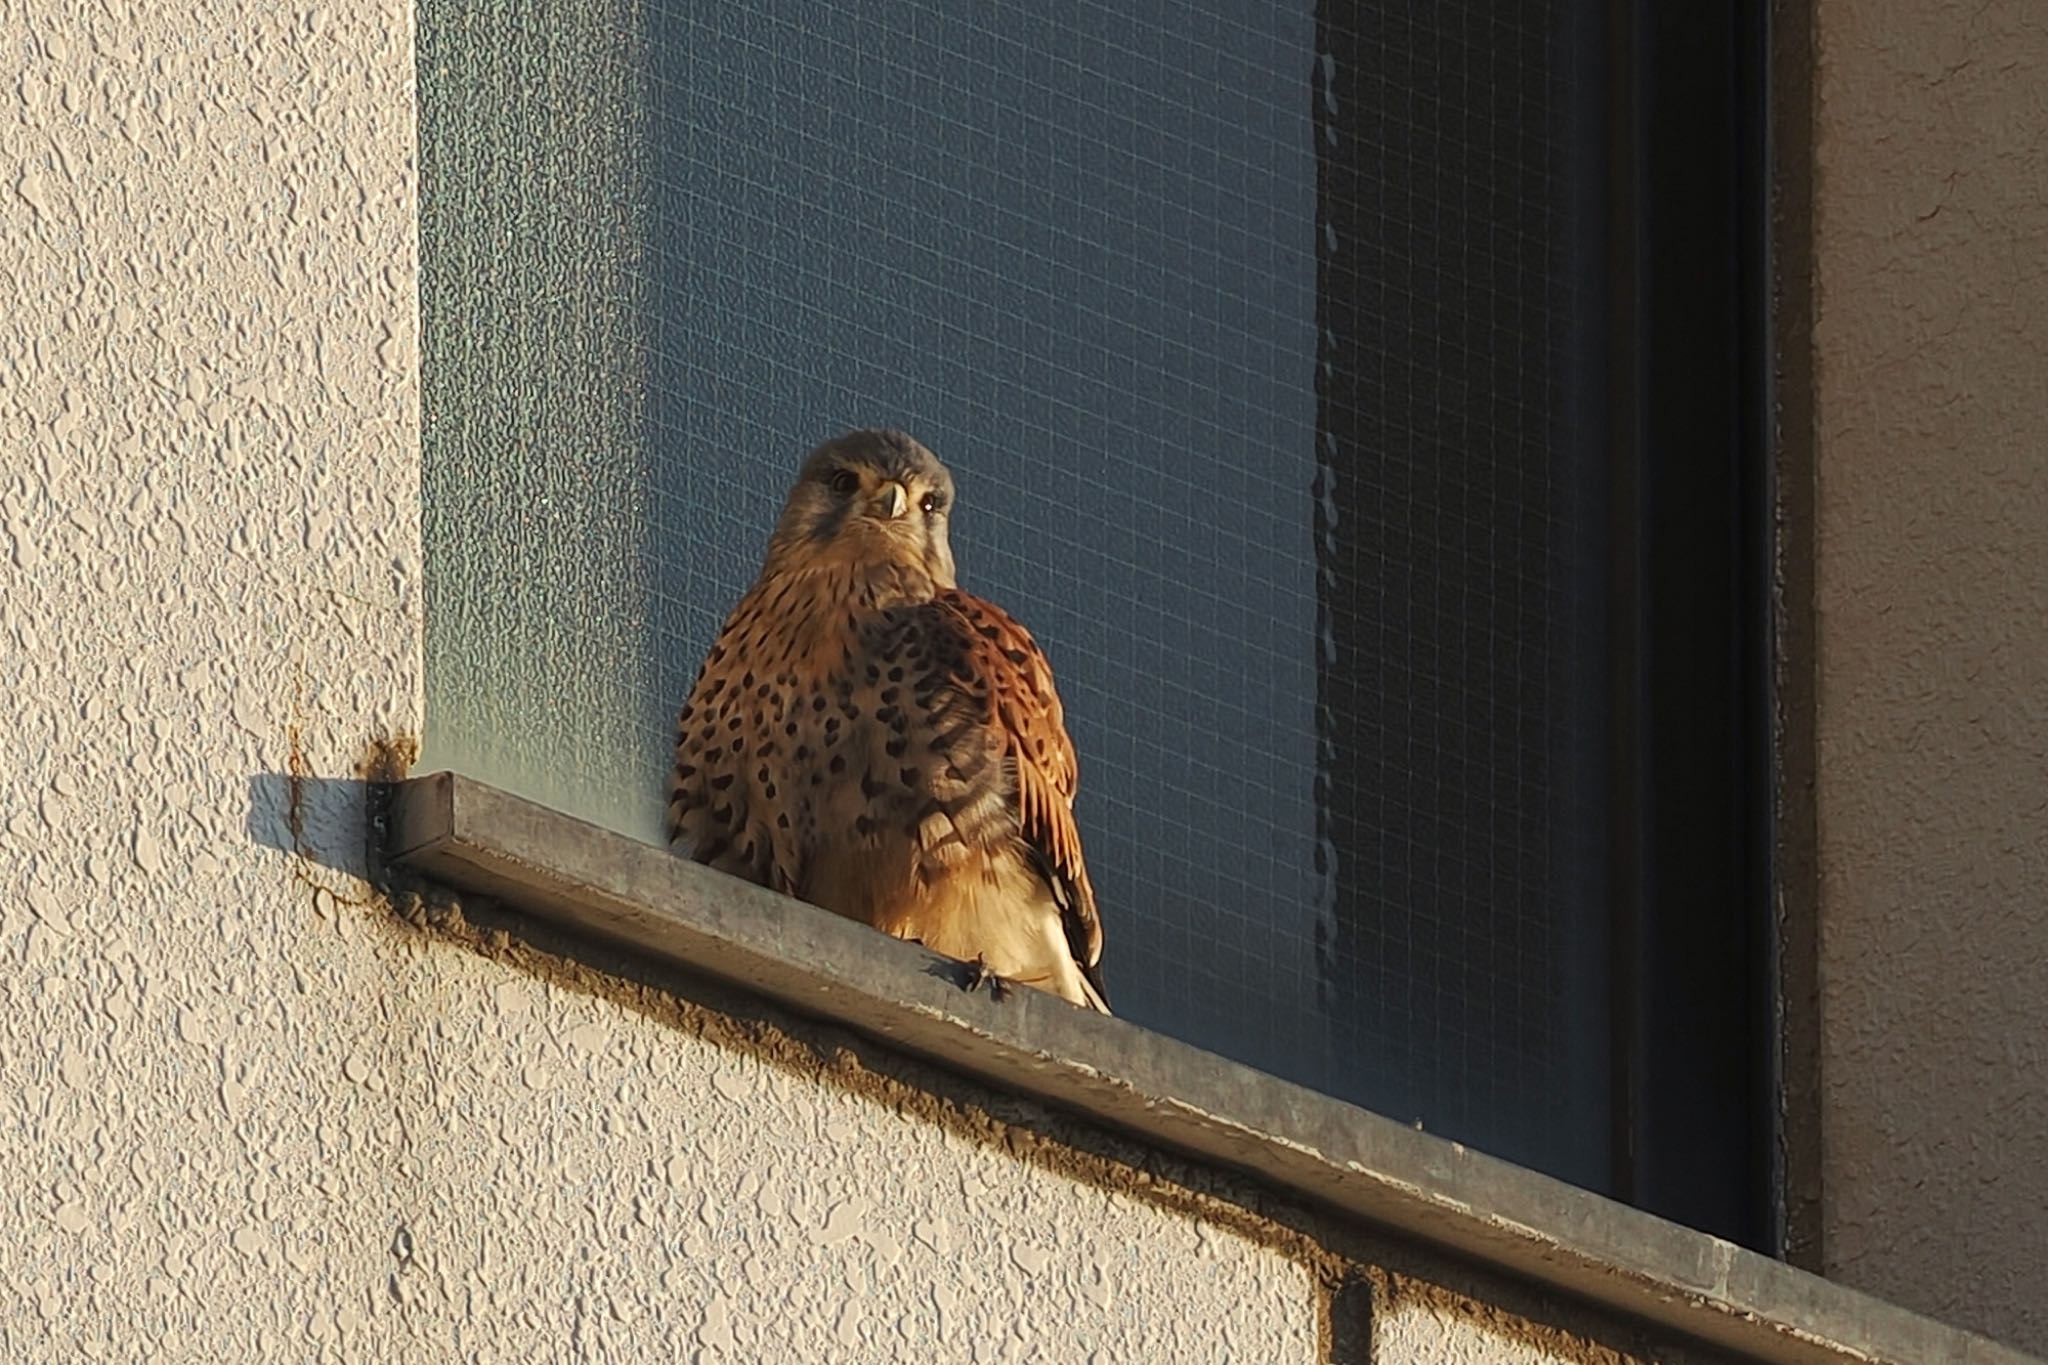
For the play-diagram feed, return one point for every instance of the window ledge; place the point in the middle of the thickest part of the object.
(594, 882)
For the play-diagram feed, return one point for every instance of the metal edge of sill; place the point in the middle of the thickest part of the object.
(596, 883)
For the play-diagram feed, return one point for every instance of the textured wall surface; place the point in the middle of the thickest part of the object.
(1416, 1323)
(1931, 351)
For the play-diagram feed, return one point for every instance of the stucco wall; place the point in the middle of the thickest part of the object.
(252, 1113)
(1931, 356)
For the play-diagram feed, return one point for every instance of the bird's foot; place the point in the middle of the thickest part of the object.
(979, 975)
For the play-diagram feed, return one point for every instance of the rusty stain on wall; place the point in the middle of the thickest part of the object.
(384, 759)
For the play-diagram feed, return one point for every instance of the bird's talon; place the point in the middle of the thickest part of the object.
(979, 974)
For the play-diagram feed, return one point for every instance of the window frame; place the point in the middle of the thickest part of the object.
(1694, 759)
(1689, 616)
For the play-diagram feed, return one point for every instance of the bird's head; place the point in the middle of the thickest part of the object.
(868, 498)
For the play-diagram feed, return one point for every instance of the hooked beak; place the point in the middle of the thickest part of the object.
(891, 502)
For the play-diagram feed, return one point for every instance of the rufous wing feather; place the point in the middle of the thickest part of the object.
(1024, 711)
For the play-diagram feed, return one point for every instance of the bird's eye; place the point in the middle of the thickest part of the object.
(845, 481)
(932, 504)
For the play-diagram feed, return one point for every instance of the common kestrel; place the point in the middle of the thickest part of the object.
(867, 737)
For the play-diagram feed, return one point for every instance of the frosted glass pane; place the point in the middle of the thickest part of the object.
(539, 491)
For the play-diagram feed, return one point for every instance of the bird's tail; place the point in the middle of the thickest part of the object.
(1091, 987)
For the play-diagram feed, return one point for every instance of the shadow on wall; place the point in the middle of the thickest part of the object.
(324, 820)
(1351, 1323)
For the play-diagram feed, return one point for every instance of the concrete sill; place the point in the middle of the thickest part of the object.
(606, 885)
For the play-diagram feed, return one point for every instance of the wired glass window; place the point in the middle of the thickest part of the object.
(1265, 344)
